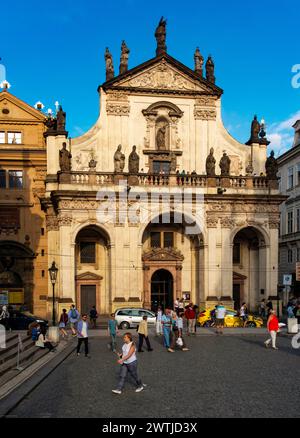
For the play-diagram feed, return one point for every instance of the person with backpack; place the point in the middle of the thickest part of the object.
(93, 316)
(73, 316)
(63, 321)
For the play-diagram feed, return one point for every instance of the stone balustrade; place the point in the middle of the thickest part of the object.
(187, 180)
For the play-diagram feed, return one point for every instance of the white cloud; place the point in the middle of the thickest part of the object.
(281, 134)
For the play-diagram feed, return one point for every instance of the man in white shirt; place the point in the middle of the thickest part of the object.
(220, 318)
(82, 335)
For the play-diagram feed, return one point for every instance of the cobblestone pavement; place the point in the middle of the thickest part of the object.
(219, 377)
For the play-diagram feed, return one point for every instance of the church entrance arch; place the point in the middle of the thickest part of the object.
(162, 289)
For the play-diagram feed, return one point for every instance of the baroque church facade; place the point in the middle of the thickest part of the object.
(157, 201)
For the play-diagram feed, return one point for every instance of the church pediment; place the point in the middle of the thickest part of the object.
(88, 276)
(15, 109)
(163, 74)
(161, 254)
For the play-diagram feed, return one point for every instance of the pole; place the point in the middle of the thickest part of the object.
(53, 305)
(18, 359)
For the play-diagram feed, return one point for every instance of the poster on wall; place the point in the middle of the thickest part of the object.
(3, 297)
(186, 296)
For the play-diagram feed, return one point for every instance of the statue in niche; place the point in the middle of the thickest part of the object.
(133, 161)
(271, 167)
(60, 120)
(119, 160)
(124, 58)
(211, 164)
(225, 165)
(65, 158)
(110, 73)
(161, 138)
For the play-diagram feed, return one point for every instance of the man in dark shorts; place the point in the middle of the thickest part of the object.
(220, 318)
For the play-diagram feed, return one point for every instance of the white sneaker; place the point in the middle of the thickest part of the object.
(139, 389)
(116, 391)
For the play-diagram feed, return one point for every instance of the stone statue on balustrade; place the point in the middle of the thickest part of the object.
(199, 60)
(119, 160)
(225, 165)
(271, 167)
(211, 164)
(133, 162)
(255, 130)
(60, 120)
(65, 159)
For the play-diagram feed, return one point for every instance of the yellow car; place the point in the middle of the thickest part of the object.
(232, 319)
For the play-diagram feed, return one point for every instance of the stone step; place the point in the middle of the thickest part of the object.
(12, 343)
(12, 350)
(26, 355)
(11, 373)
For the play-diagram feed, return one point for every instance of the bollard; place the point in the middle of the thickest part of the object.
(292, 325)
(53, 334)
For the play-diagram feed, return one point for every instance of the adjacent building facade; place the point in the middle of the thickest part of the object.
(157, 200)
(23, 236)
(289, 242)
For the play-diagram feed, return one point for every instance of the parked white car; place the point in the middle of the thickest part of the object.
(131, 317)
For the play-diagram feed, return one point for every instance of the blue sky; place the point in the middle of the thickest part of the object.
(55, 51)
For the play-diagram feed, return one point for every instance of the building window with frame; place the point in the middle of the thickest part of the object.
(298, 255)
(15, 179)
(87, 252)
(155, 239)
(297, 219)
(2, 137)
(168, 239)
(298, 174)
(236, 253)
(14, 137)
(290, 222)
(290, 177)
(2, 179)
(290, 256)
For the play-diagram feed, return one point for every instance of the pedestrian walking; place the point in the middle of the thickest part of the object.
(143, 335)
(190, 315)
(181, 305)
(73, 316)
(158, 321)
(290, 310)
(273, 327)
(177, 328)
(269, 307)
(220, 318)
(112, 332)
(244, 314)
(166, 321)
(4, 317)
(83, 336)
(176, 305)
(196, 309)
(262, 308)
(128, 362)
(63, 321)
(93, 317)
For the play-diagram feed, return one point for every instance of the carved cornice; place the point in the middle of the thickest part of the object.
(117, 109)
(212, 221)
(204, 114)
(227, 222)
(52, 223)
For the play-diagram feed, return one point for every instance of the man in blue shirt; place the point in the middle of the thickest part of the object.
(166, 321)
(112, 331)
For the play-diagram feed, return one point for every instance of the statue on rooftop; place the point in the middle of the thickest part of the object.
(271, 166)
(225, 165)
(60, 120)
(199, 60)
(211, 164)
(119, 160)
(65, 159)
(210, 70)
(133, 161)
(110, 73)
(160, 35)
(124, 58)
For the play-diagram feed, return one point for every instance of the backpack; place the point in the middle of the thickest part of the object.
(34, 334)
(73, 313)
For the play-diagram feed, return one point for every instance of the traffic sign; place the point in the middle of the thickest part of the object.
(287, 280)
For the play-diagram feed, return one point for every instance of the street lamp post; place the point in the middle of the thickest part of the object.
(53, 276)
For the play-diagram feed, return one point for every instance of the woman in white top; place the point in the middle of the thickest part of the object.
(158, 321)
(128, 362)
(43, 342)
